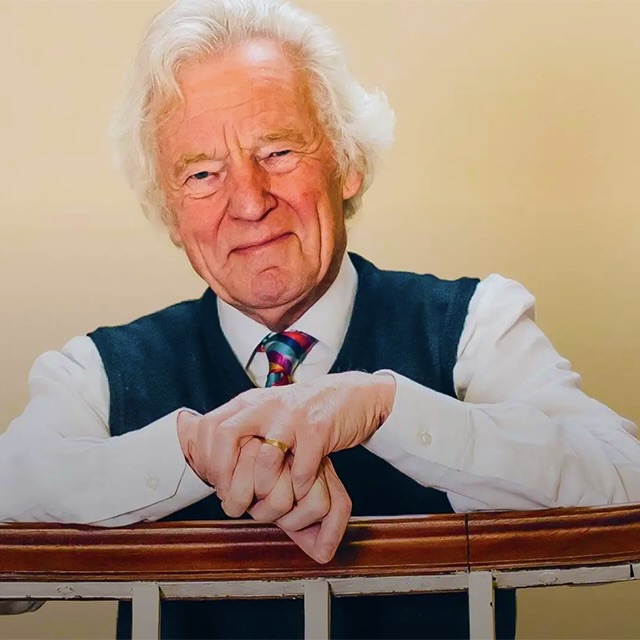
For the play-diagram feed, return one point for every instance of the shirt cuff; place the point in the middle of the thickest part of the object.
(169, 482)
(425, 434)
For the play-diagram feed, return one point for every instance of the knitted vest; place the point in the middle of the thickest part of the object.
(179, 357)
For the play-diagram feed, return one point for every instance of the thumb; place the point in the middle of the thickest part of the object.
(306, 540)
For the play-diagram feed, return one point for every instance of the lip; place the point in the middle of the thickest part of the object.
(258, 244)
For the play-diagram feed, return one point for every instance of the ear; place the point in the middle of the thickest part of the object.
(352, 183)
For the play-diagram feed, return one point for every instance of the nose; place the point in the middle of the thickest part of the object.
(251, 198)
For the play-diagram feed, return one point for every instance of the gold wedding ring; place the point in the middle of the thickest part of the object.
(276, 443)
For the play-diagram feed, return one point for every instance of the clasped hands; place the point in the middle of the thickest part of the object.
(298, 490)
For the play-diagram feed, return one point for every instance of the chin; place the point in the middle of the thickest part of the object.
(274, 293)
(267, 289)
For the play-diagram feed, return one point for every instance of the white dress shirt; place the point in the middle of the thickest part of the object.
(520, 434)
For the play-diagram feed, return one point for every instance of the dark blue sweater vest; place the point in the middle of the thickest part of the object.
(405, 322)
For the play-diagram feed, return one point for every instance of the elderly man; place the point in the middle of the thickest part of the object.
(246, 134)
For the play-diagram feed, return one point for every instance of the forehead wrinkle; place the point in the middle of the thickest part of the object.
(245, 107)
(237, 93)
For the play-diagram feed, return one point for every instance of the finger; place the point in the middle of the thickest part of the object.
(200, 447)
(226, 440)
(320, 540)
(311, 509)
(242, 473)
(306, 539)
(269, 466)
(278, 502)
(334, 524)
(307, 460)
(240, 494)
(252, 413)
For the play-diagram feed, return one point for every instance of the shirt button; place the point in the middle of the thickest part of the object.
(152, 483)
(425, 437)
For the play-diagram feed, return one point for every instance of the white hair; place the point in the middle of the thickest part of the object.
(359, 123)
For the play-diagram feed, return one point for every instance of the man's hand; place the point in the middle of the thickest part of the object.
(319, 540)
(331, 413)
(299, 490)
(316, 524)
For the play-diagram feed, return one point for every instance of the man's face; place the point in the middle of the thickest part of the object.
(252, 183)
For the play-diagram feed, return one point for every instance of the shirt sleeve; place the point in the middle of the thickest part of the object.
(521, 433)
(62, 465)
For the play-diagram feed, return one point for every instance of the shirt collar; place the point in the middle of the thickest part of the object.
(327, 320)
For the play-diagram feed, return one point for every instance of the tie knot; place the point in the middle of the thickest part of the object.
(285, 351)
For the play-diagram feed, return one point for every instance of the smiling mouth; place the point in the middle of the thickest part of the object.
(259, 245)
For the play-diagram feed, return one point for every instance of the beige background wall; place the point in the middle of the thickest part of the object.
(517, 151)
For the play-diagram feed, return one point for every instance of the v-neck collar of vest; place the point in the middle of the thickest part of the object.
(235, 375)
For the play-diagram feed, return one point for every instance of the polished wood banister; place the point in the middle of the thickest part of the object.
(228, 550)
(554, 538)
(242, 549)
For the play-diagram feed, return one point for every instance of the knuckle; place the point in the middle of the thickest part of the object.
(265, 476)
(301, 476)
(237, 404)
(318, 508)
(260, 514)
(206, 476)
(251, 396)
(344, 506)
(322, 511)
(269, 456)
(264, 517)
(246, 399)
(262, 488)
(281, 502)
(227, 431)
(341, 492)
(252, 449)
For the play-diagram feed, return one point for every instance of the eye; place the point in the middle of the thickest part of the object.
(279, 154)
(203, 183)
(202, 175)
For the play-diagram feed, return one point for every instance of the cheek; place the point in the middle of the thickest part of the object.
(306, 212)
(310, 199)
(198, 219)
(322, 212)
(317, 216)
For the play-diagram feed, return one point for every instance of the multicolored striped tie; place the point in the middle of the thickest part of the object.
(285, 351)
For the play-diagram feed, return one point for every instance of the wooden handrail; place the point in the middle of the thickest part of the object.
(243, 550)
(554, 538)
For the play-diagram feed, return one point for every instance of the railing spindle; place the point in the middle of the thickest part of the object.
(481, 610)
(317, 610)
(146, 611)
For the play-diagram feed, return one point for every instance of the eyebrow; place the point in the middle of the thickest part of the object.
(186, 161)
(288, 135)
(283, 135)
